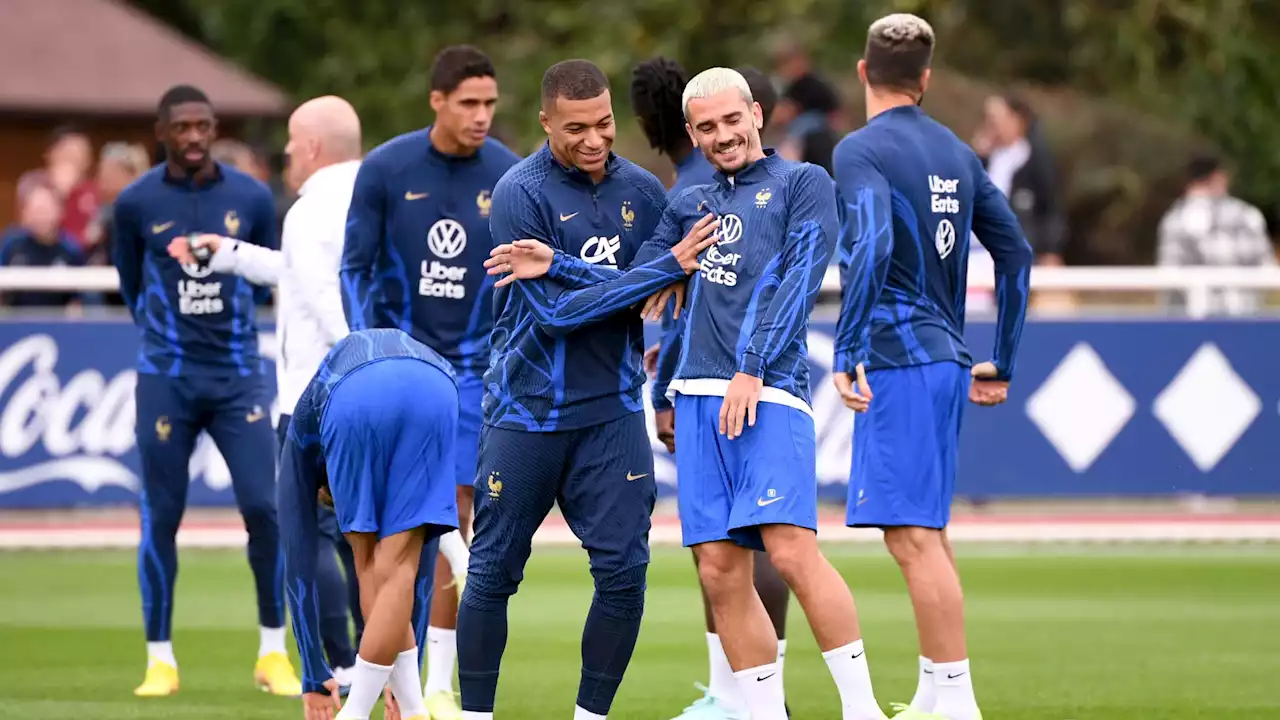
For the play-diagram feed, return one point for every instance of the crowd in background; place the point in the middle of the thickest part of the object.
(65, 207)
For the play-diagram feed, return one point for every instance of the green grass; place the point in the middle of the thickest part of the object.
(1166, 633)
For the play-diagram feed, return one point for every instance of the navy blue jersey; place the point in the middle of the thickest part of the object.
(417, 239)
(565, 358)
(20, 248)
(194, 321)
(303, 474)
(694, 169)
(912, 191)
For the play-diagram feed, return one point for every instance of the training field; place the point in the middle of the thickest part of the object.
(1058, 632)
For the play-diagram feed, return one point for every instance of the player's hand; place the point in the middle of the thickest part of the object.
(520, 260)
(665, 420)
(657, 303)
(858, 398)
(740, 404)
(322, 705)
(390, 708)
(985, 389)
(651, 360)
(701, 236)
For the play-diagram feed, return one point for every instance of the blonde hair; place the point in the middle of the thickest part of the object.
(714, 81)
(902, 28)
(130, 156)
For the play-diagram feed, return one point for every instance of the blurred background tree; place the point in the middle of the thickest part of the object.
(1126, 89)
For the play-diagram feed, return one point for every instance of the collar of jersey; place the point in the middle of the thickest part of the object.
(342, 172)
(755, 172)
(187, 183)
(573, 173)
(899, 111)
(435, 153)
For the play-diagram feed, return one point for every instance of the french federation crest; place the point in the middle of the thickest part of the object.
(232, 223)
(484, 202)
(762, 197)
(628, 215)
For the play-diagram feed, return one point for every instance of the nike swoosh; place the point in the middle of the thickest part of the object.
(766, 503)
(254, 417)
(157, 229)
(631, 477)
(766, 677)
(414, 196)
(855, 657)
(953, 677)
(566, 218)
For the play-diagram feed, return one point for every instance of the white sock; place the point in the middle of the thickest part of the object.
(761, 687)
(469, 715)
(926, 695)
(367, 682)
(406, 684)
(442, 653)
(954, 685)
(580, 714)
(723, 687)
(782, 655)
(161, 652)
(271, 640)
(455, 552)
(848, 666)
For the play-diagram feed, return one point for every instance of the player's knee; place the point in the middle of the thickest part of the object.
(723, 569)
(794, 560)
(621, 594)
(908, 545)
(258, 514)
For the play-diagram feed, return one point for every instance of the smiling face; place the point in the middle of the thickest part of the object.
(726, 127)
(581, 132)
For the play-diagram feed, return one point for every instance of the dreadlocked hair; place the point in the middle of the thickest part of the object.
(657, 85)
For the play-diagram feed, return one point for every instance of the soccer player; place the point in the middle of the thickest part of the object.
(198, 369)
(744, 425)
(372, 436)
(417, 238)
(913, 191)
(564, 420)
(656, 89)
(324, 154)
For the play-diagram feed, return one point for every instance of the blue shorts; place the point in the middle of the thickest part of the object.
(389, 453)
(466, 446)
(905, 447)
(729, 488)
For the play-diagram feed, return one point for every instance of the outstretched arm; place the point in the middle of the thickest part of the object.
(866, 246)
(300, 479)
(997, 229)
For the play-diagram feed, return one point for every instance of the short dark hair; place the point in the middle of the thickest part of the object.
(64, 131)
(657, 87)
(458, 63)
(180, 95)
(899, 50)
(762, 91)
(1203, 166)
(572, 80)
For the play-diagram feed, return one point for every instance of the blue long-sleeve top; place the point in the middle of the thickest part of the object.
(192, 320)
(417, 238)
(911, 192)
(302, 474)
(567, 356)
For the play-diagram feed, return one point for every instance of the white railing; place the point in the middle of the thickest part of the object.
(1196, 283)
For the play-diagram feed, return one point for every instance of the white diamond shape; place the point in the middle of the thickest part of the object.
(1207, 407)
(1081, 407)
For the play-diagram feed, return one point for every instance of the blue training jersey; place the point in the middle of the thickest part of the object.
(302, 473)
(563, 357)
(417, 239)
(193, 321)
(912, 191)
(694, 169)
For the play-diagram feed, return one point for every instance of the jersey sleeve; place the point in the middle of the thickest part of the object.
(362, 299)
(668, 357)
(126, 237)
(575, 272)
(866, 247)
(300, 480)
(556, 309)
(263, 235)
(812, 227)
(259, 265)
(997, 229)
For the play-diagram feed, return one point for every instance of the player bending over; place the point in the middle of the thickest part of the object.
(564, 420)
(657, 87)
(744, 426)
(198, 370)
(372, 436)
(913, 191)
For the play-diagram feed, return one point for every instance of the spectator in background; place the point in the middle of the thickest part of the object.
(1207, 227)
(118, 166)
(39, 241)
(1019, 161)
(68, 160)
(809, 109)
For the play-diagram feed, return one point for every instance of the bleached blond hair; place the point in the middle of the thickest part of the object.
(714, 81)
(902, 28)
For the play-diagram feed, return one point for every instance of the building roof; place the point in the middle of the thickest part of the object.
(106, 57)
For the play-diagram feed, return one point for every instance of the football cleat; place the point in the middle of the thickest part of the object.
(274, 674)
(161, 680)
(442, 705)
(708, 708)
